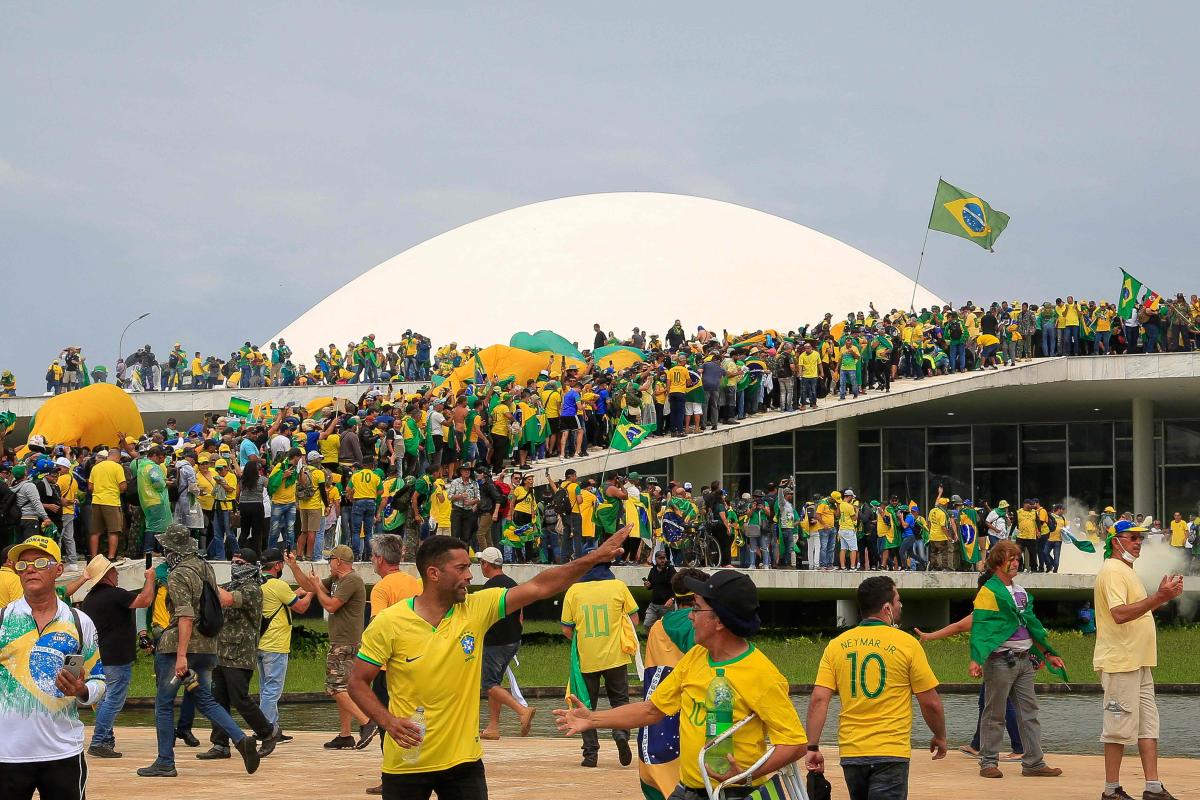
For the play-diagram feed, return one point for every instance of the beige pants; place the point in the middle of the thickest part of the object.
(1130, 712)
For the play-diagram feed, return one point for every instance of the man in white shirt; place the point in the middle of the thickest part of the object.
(42, 746)
(997, 523)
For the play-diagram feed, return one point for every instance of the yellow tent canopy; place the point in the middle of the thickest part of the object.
(501, 361)
(88, 417)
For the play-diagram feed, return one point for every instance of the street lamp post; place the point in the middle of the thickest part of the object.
(121, 342)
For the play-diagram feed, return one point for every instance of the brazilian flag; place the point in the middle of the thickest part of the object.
(628, 435)
(1134, 293)
(968, 535)
(8, 421)
(963, 214)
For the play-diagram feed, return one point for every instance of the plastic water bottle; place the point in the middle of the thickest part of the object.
(411, 754)
(719, 705)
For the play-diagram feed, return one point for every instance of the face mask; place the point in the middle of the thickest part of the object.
(1125, 554)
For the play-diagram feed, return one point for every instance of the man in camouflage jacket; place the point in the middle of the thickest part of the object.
(237, 650)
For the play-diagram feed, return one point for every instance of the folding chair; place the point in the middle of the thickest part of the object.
(785, 784)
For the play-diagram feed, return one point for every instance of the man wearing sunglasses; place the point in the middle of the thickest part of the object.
(42, 746)
(1126, 652)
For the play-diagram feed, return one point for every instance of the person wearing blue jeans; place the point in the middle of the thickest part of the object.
(828, 546)
(362, 517)
(185, 657)
(958, 357)
(1049, 339)
(283, 526)
(848, 379)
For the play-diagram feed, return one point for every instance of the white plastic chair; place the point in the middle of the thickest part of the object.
(785, 784)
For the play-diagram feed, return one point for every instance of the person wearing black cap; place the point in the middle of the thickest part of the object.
(724, 614)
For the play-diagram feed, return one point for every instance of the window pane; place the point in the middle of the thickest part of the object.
(1044, 471)
(783, 439)
(950, 468)
(736, 484)
(996, 446)
(736, 457)
(1043, 432)
(994, 485)
(1091, 444)
(1183, 443)
(907, 486)
(1124, 479)
(904, 448)
(771, 464)
(868, 436)
(868, 473)
(1181, 491)
(816, 449)
(961, 433)
(1093, 488)
(809, 484)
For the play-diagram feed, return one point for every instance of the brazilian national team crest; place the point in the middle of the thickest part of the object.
(467, 642)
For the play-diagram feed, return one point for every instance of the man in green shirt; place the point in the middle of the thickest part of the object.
(848, 366)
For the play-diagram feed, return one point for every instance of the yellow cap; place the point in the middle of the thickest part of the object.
(221, 463)
(203, 459)
(43, 544)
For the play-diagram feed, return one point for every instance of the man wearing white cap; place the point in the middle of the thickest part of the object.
(111, 609)
(500, 645)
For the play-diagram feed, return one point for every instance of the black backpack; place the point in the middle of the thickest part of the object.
(954, 329)
(561, 502)
(1051, 523)
(209, 616)
(10, 510)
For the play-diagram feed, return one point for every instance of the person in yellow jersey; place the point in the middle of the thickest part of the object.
(106, 481)
(311, 496)
(1179, 534)
(875, 670)
(724, 613)
(10, 582)
(677, 387)
(68, 487)
(365, 483)
(847, 515)
(940, 544)
(1027, 536)
(280, 601)
(599, 615)
(431, 646)
(809, 363)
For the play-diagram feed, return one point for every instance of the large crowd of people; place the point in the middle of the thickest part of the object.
(894, 344)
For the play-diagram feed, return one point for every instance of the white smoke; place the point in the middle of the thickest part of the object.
(1157, 558)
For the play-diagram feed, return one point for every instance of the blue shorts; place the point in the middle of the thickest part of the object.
(496, 658)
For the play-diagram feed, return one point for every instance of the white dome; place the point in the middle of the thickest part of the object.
(623, 259)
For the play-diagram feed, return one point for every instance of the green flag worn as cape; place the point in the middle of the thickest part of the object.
(996, 618)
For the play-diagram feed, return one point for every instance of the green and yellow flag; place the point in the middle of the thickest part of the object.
(8, 421)
(239, 406)
(996, 618)
(964, 214)
(628, 435)
(968, 535)
(1135, 294)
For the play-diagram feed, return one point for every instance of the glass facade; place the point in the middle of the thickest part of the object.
(1090, 462)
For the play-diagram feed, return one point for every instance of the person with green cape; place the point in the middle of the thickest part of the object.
(1007, 642)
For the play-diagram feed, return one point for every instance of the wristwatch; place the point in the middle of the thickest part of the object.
(814, 748)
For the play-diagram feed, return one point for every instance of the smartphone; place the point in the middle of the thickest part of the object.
(73, 663)
(149, 560)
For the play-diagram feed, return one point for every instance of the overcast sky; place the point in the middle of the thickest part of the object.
(226, 166)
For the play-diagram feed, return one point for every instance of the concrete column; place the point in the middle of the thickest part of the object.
(847, 613)
(847, 453)
(701, 467)
(1143, 456)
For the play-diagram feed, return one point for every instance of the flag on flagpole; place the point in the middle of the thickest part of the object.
(480, 372)
(1134, 295)
(961, 213)
(628, 435)
(86, 378)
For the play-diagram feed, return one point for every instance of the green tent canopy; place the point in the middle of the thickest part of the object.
(544, 342)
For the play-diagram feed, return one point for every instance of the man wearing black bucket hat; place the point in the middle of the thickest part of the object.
(725, 613)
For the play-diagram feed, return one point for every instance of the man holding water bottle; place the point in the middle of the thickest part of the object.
(432, 647)
(723, 662)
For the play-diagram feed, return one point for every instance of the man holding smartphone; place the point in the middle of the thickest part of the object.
(50, 662)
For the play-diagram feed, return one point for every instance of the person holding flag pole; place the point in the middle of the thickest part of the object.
(1007, 640)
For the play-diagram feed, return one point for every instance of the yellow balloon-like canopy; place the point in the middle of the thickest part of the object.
(501, 361)
(88, 417)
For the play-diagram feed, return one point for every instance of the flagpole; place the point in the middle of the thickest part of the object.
(913, 302)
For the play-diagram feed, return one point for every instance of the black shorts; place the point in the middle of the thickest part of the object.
(463, 782)
(555, 425)
(61, 779)
(569, 423)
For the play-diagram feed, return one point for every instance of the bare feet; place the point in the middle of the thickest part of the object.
(526, 721)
